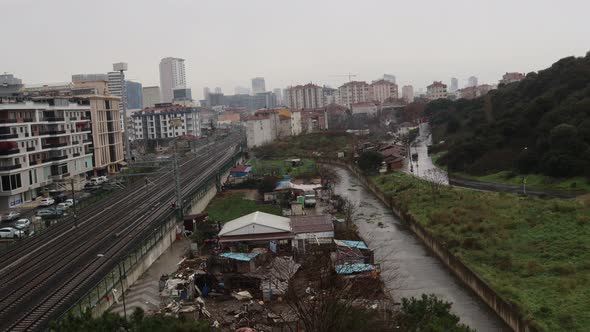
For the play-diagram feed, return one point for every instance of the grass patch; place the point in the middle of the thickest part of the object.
(535, 181)
(531, 250)
(231, 206)
(279, 167)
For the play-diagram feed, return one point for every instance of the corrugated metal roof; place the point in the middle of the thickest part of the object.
(239, 256)
(312, 223)
(351, 244)
(270, 224)
(354, 268)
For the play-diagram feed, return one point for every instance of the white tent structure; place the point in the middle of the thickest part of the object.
(256, 226)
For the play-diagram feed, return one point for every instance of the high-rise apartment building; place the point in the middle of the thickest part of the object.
(454, 85)
(114, 84)
(389, 78)
(353, 92)
(258, 85)
(172, 76)
(330, 95)
(134, 95)
(10, 85)
(408, 93)
(307, 96)
(43, 143)
(279, 95)
(472, 81)
(182, 94)
(151, 96)
(218, 90)
(436, 90)
(382, 90)
(240, 90)
(166, 121)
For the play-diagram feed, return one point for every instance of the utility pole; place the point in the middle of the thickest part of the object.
(74, 203)
(122, 67)
(177, 183)
(122, 291)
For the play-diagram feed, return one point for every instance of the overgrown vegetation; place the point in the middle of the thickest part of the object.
(279, 167)
(533, 251)
(548, 113)
(138, 322)
(327, 144)
(230, 206)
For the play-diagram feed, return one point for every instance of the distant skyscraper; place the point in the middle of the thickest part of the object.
(115, 88)
(218, 90)
(206, 93)
(454, 84)
(151, 96)
(182, 94)
(172, 76)
(258, 85)
(279, 94)
(408, 93)
(240, 90)
(134, 95)
(472, 81)
(390, 78)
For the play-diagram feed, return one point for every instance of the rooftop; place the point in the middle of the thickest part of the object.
(246, 225)
(312, 223)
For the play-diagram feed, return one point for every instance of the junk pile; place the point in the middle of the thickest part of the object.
(229, 301)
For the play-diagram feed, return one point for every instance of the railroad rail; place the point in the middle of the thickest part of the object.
(44, 276)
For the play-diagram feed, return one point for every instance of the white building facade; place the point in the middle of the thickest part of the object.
(383, 89)
(43, 145)
(172, 76)
(436, 90)
(307, 96)
(166, 122)
(353, 92)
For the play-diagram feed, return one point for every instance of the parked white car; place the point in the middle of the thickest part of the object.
(70, 202)
(47, 201)
(10, 233)
(10, 216)
(62, 206)
(22, 224)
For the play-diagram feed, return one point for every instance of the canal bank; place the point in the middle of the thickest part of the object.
(408, 268)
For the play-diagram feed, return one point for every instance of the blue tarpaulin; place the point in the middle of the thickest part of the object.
(239, 256)
(351, 244)
(353, 268)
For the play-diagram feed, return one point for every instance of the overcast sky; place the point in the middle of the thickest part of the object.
(227, 42)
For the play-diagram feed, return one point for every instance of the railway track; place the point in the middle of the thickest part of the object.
(51, 277)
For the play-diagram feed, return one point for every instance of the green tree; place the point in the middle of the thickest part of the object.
(428, 314)
(370, 161)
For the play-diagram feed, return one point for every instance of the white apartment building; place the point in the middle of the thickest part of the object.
(42, 144)
(165, 122)
(258, 85)
(172, 76)
(408, 93)
(151, 96)
(307, 96)
(383, 89)
(353, 92)
(296, 127)
(436, 90)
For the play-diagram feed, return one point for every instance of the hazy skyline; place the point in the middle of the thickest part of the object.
(226, 43)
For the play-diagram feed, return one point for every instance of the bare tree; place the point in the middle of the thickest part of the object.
(349, 209)
(436, 180)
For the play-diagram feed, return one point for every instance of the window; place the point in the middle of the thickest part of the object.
(6, 183)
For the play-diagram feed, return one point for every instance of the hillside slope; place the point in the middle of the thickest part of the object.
(538, 125)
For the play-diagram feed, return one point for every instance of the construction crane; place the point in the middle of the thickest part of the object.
(349, 75)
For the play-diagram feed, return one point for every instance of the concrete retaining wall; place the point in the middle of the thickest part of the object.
(504, 309)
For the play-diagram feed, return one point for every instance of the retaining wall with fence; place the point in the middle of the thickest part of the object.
(507, 311)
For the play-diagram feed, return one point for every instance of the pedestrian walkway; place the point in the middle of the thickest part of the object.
(145, 293)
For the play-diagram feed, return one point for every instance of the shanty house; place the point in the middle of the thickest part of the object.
(311, 230)
(258, 229)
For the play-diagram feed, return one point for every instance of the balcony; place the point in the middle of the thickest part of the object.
(77, 154)
(89, 140)
(73, 118)
(52, 132)
(8, 136)
(8, 120)
(53, 145)
(75, 142)
(28, 120)
(60, 176)
(56, 158)
(9, 152)
(53, 119)
(10, 167)
(84, 118)
(31, 148)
